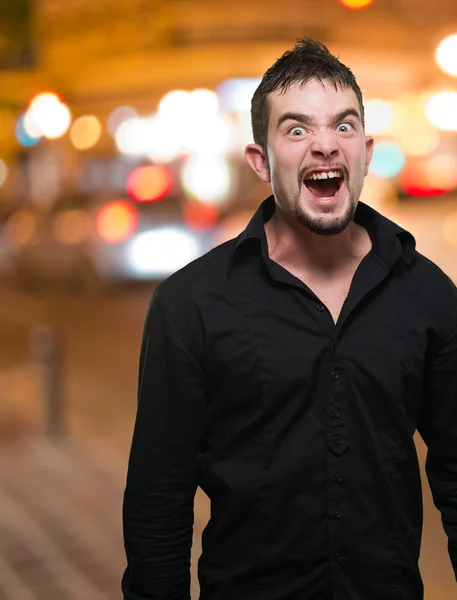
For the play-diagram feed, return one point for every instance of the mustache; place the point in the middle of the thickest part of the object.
(304, 172)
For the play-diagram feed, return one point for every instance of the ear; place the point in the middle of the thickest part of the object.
(258, 161)
(369, 147)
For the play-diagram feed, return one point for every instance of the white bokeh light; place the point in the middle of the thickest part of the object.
(441, 111)
(379, 116)
(162, 251)
(48, 115)
(214, 136)
(203, 104)
(174, 105)
(207, 178)
(132, 136)
(30, 127)
(236, 94)
(166, 139)
(446, 55)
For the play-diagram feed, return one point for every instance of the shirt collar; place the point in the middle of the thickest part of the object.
(390, 241)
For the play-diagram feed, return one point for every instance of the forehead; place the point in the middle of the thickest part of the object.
(316, 99)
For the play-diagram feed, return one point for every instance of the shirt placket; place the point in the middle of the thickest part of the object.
(338, 443)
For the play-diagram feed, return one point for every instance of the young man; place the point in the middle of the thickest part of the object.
(286, 372)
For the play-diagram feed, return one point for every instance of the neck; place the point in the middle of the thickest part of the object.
(293, 246)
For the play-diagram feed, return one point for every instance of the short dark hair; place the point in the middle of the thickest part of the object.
(307, 60)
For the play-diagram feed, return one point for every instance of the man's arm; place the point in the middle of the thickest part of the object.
(162, 480)
(438, 428)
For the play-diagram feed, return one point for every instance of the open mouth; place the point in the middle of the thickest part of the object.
(324, 184)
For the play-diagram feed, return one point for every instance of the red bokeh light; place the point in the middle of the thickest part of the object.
(413, 182)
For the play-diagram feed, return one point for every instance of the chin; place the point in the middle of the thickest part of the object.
(330, 222)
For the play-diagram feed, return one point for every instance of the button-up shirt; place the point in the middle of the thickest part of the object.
(298, 429)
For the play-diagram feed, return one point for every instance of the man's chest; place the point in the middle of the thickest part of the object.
(270, 349)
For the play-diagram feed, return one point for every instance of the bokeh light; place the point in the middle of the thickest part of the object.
(446, 55)
(117, 221)
(85, 132)
(174, 105)
(118, 116)
(149, 183)
(413, 182)
(22, 136)
(30, 127)
(441, 171)
(215, 136)
(200, 216)
(3, 172)
(379, 116)
(207, 178)
(162, 251)
(22, 228)
(356, 4)
(72, 227)
(133, 136)
(49, 115)
(401, 117)
(202, 104)
(388, 160)
(235, 94)
(419, 138)
(165, 139)
(441, 111)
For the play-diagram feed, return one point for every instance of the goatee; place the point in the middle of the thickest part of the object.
(322, 226)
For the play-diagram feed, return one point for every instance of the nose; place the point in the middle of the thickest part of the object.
(324, 145)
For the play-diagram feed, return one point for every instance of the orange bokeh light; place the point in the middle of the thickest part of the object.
(117, 221)
(150, 183)
(200, 216)
(356, 4)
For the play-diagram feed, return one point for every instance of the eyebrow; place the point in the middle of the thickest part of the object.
(306, 120)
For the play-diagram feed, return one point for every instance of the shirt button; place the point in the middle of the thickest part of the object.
(338, 440)
(338, 514)
(339, 477)
(335, 375)
(336, 414)
(320, 307)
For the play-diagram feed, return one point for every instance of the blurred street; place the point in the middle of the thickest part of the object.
(80, 479)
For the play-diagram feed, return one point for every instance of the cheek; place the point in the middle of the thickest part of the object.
(288, 157)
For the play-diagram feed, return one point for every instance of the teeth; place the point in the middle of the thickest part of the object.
(324, 175)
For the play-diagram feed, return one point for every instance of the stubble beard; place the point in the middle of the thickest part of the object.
(322, 226)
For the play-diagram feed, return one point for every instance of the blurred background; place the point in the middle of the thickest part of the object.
(122, 129)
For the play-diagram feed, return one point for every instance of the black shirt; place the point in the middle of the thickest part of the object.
(300, 431)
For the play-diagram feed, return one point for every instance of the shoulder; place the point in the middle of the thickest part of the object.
(182, 297)
(436, 289)
(207, 272)
(428, 273)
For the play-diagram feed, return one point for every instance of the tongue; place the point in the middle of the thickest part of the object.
(323, 188)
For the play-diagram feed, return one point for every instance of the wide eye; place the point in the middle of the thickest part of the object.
(345, 127)
(297, 131)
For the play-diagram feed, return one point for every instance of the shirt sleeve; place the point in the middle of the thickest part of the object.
(438, 428)
(162, 475)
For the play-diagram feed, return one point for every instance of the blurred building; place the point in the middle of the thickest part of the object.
(114, 61)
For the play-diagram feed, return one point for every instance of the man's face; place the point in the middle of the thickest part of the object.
(317, 154)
